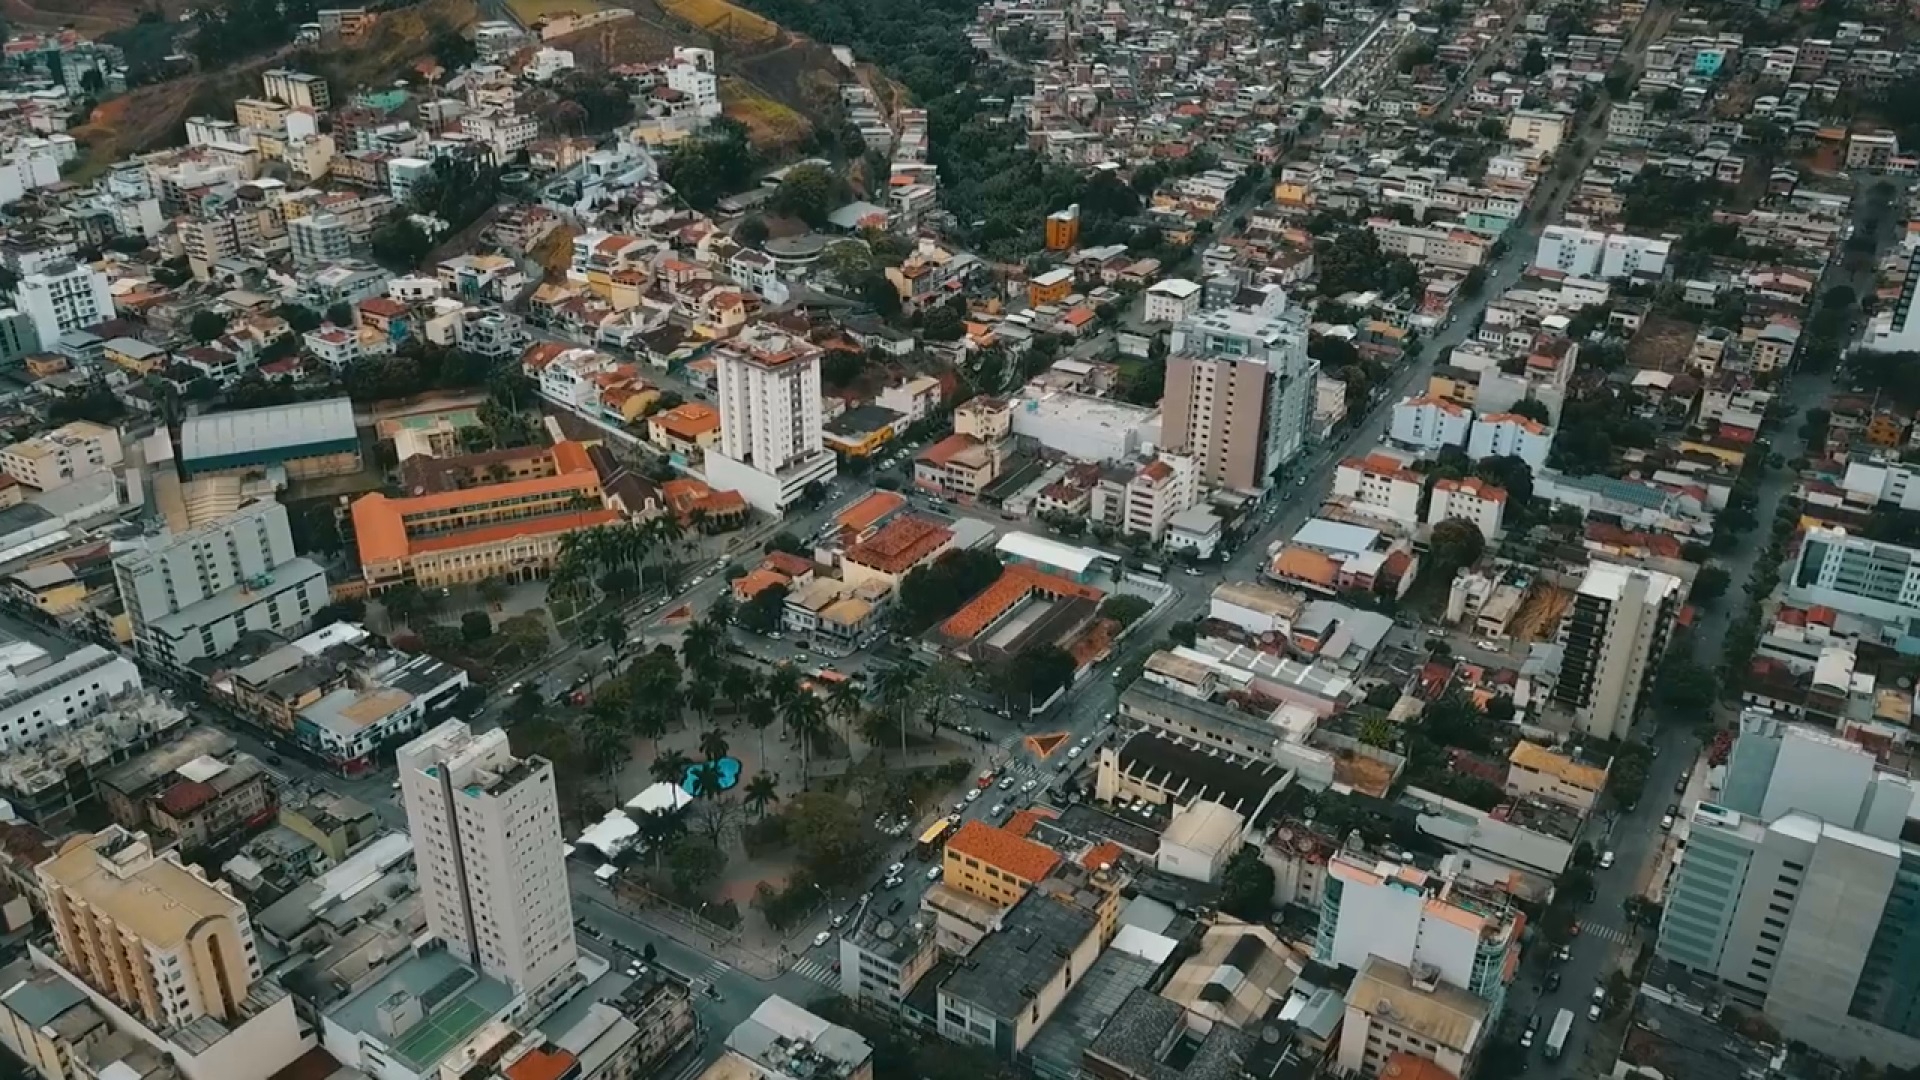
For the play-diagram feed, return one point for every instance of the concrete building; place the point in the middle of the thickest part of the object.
(156, 938)
(190, 595)
(486, 832)
(63, 297)
(318, 239)
(1465, 935)
(1394, 1010)
(1613, 638)
(1588, 253)
(767, 387)
(1541, 131)
(782, 1041)
(1173, 300)
(1429, 424)
(298, 89)
(42, 696)
(1146, 502)
(1859, 576)
(192, 793)
(995, 864)
(1537, 772)
(65, 454)
(1380, 485)
(1800, 893)
(1510, 435)
(1240, 395)
(1895, 327)
(1473, 500)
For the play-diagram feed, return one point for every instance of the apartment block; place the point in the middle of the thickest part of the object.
(65, 454)
(486, 832)
(1240, 394)
(157, 938)
(190, 595)
(1613, 638)
(1859, 576)
(767, 387)
(1380, 485)
(1472, 500)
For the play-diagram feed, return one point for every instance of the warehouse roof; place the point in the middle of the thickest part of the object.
(253, 430)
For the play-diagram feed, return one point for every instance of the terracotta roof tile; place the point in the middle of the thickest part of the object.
(996, 847)
(1015, 584)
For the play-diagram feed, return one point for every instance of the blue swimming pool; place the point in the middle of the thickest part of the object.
(727, 770)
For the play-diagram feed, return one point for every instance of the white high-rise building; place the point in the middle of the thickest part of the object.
(1613, 638)
(62, 297)
(191, 595)
(486, 839)
(692, 73)
(767, 385)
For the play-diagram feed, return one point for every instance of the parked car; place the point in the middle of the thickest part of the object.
(1593, 1011)
(973, 795)
(934, 874)
(821, 938)
(1553, 981)
(1606, 859)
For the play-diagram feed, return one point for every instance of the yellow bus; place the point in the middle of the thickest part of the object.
(934, 839)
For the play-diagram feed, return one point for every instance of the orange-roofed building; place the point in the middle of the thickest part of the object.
(510, 530)
(1016, 863)
(906, 542)
(1471, 499)
(1304, 566)
(694, 503)
(1015, 585)
(859, 521)
(959, 466)
(687, 430)
(757, 581)
(1405, 1066)
(542, 1064)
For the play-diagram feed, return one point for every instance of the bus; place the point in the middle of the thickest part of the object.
(1154, 571)
(828, 678)
(934, 839)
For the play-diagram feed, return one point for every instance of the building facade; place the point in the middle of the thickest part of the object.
(1240, 394)
(1613, 637)
(767, 387)
(486, 830)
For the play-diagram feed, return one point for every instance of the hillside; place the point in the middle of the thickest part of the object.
(91, 17)
(781, 85)
(153, 116)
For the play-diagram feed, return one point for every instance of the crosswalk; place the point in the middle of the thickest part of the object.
(1603, 932)
(818, 971)
(715, 971)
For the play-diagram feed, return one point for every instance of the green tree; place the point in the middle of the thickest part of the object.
(752, 231)
(1709, 585)
(206, 325)
(400, 245)
(828, 837)
(809, 192)
(1246, 887)
(476, 626)
(1125, 608)
(694, 866)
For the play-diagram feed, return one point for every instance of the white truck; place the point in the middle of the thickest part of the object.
(1557, 1036)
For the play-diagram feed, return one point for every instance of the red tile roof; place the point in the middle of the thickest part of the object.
(901, 545)
(993, 846)
(1015, 584)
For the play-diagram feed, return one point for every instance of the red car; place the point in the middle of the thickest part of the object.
(985, 781)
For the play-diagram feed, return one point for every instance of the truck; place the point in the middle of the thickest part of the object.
(1557, 1037)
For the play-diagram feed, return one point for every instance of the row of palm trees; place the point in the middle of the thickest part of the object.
(589, 556)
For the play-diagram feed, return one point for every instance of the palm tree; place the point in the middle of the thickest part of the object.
(760, 791)
(897, 685)
(608, 746)
(648, 720)
(783, 685)
(613, 632)
(738, 683)
(758, 713)
(806, 717)
(701, 646)
(402, 603)
(670, 766)
(700, 698)
(713, 745)
(659, 828)
(706, 780)
(844, 704)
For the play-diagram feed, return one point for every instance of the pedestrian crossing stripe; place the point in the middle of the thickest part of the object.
(807, 967)
(1604, 932)
(715, 971)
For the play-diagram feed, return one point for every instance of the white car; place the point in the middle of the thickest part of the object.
(1029, 786)
(895, 869)
(1606, 860)
(934, 874)
(1006, 783)
(1487, 645)
(1666, 822)
(821, 938)
(999, 809)
(973, 796)
(1073, 751)
(1593, 1011)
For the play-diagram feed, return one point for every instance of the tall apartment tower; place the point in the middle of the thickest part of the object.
(1613, 638)
(771, 448)
(192, 594)
(1240, 392)
(160, 940)
(63, 297)
(1799, 891)
(486, 839)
